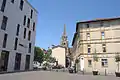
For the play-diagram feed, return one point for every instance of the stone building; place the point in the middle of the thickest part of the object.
(100, 36)
(63, 45)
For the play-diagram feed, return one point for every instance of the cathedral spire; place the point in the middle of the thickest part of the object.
(64, 33)
(64, 41)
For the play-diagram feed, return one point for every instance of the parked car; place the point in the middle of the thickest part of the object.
(36, 65)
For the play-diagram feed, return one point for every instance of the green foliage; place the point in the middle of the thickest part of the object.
(47, 55)
(117, 57)
(51, 60)
(38, 55)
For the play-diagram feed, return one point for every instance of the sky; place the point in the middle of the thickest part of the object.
(53, 14)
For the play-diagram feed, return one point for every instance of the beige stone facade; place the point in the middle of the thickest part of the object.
(59, 53)
(101, 36)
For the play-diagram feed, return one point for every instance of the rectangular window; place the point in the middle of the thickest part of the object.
(21, 5)
(3, 5)
(24, 33)
(89, 50)
(104, 47)
(101, 24)
(24, 21)
(17, 61)
(29, 50)
(102, 35)
(34, 26)
(89, 62)
(18, 28)
(88, 36)
(31, 13)
(4, 23)
(29, 35)
(16, 42)
(87, 25)
(104, 62)
(5, 41)
(12, 1)
(28, 23)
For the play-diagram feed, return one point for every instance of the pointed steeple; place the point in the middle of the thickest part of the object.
(64, 33)
(64, 41)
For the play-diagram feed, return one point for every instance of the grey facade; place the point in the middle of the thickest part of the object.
(17, 35)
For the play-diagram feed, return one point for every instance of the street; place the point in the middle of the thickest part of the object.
(42, 75)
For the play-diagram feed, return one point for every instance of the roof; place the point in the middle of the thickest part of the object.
(30, 5)
(89, 21)
(57, 46)
(100, 19)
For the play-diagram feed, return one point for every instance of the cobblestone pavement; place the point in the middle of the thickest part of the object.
(47, 75)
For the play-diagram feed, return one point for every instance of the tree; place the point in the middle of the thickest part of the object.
(38, 55)
(47, 55)
(52, 59)
(117, 59)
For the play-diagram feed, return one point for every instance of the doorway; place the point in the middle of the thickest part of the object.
(82, 63)
(17, 61)
(4, 60)
(27, 63)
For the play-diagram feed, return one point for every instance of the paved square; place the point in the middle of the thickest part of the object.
(42, 75)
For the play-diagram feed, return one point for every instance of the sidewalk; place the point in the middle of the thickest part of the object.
(90, 73)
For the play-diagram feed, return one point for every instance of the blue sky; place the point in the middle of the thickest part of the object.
(53, 14)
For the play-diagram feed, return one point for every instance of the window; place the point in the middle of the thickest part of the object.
(104, 47)
(5, 41)
(16, 42)
(29, 50)
(101, 24)
(12, 1)
(28, 23)
(34, 26)
(89, 49)
(18, 28)
(21, 5)
(3, 5)
(87, 25)
(31, 13)
(24, 33)
(104, 62)
(89, 62)
(88, 36)
(102, 35)
(29, 35)
(24, 21)
(4, 23)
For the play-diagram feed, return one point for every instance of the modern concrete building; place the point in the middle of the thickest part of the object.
(17, 35)
(100, 36)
